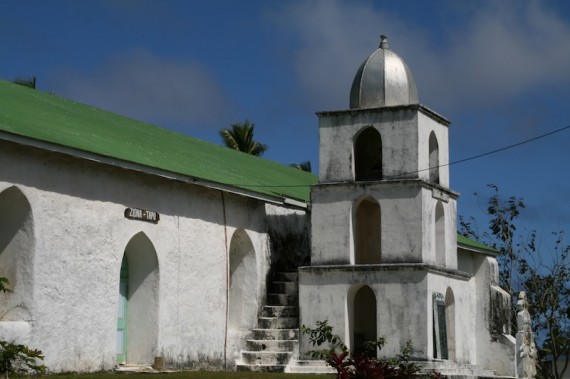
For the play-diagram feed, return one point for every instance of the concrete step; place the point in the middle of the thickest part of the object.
(278, 322)
(260, 368)
(276, 337)
(275, 334)
(281, 299)
(280, 311)
(287, 288)
(309, 367)
(266, 357)
(271, 345)
(452, 369)
(286, 277)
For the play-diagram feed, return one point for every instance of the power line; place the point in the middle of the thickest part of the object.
(487, 153)
(429, 168)
(508, 147)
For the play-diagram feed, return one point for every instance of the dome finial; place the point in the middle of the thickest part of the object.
(383, 80)
(383, 41)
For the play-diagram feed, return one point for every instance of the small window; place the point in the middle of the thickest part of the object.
(433, 159)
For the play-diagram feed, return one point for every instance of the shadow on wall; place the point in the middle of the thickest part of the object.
(16, 255)
(290, 241)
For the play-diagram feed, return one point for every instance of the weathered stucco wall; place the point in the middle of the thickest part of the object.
(398, 130)
(495, 345)
(79, 237)
(407, 213)
(404, 305)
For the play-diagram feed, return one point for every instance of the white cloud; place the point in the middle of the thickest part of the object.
(149, 88)
(493, 52)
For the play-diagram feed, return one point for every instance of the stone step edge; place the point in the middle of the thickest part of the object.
(261, 367)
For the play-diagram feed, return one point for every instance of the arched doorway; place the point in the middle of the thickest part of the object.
(368, 155)
(439, 234)
(433, 159)
(137, 332)
(16, 255)
(361, 317)
(242, 305)
(367, 232)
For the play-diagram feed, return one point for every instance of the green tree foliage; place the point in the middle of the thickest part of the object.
(26, 82)
(4, 285)
(304, 165)
(240, 137)
(542, 269)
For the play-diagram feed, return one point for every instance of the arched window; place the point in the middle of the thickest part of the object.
(444, 325)
(439, 239)
(137, 316)
(433, 159)
(450, 323)
(368, 155)
(243, 281)
(361, 317)
(367, 232)
(16, 255)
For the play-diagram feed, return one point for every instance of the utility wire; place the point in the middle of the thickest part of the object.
(488, 153)
(429, 168)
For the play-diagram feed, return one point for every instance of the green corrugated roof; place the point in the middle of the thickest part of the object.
(462, 240)
(55, 120)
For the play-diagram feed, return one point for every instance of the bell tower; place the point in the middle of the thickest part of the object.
(384, 239)
(383, 193)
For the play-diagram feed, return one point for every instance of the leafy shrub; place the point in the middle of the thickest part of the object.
(15, 358)
(19, 359)
(349, 365)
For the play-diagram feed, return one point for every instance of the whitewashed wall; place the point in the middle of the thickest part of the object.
(79, 238)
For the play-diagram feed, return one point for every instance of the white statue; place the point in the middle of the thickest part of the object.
(526, 348)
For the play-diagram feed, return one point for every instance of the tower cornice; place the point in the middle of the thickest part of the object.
(362, 111)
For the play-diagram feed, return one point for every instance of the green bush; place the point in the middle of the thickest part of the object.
(349, 365)
(15, 358)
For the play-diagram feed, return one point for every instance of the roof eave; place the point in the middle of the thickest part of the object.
(128, 165)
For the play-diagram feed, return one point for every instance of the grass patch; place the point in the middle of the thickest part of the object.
(191, 375)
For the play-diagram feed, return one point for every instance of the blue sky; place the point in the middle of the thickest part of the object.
(499, 70)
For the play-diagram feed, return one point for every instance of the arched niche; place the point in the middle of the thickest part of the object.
(450, 323)
(368, 155)
(433, 159)
(367, 231)
(140, 272)
(242, 305)
(439, 239)
(16, 255)
(362, 323)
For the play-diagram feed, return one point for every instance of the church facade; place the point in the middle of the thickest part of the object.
(124, 242)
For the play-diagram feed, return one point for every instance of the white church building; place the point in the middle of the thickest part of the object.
(128, 244)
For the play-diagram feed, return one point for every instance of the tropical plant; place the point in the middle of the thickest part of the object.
(240, 137)
(19, 359)
(349, 365)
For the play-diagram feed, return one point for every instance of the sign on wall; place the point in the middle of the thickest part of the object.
(142, 215)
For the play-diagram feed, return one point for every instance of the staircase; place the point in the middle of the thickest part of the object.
(277, 335)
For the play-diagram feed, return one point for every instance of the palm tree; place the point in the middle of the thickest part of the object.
(240, 137)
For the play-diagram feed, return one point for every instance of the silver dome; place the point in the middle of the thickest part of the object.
(383, 80)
